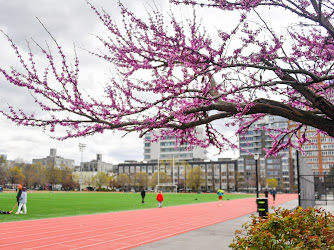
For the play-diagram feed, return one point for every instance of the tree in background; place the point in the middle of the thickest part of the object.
(68, 182)
(30, 173)
(196, 178)
(263, 182)
(240, 178)
(236, 74)
(101, 179)
(41, 175)
(34, 174)
(331, 170)
(37, 175)
(163, 178)
(249, 183)
(272, 183)
(187, 168)
(3, 170)
(142, 180)
(15, 175)
(122, 180)
(111, 182)
(132, 178)
(54, 175)
(87, 180)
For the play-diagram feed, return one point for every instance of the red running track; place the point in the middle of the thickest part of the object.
(122, 230)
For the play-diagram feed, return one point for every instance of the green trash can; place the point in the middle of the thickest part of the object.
(262, 207)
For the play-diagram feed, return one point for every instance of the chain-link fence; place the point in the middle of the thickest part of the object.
(324, 188)
(316, 189)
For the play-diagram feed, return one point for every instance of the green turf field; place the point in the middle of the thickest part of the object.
(59, 204)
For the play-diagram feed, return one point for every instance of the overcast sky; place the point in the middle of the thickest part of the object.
(69, 21)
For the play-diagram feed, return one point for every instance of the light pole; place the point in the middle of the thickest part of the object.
(256, 158)
(81, 149)
(158, 172)
(173, 171)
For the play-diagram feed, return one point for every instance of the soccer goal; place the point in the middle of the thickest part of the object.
(166, 188)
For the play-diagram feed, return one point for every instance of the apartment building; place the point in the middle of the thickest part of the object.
(253, 143)
(318, 151)
(55, 160)
(166, 148)
(218, 174)
(96, 165)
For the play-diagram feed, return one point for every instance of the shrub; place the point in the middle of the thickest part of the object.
(285, 229)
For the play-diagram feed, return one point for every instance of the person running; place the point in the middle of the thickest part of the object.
(266, 193)
(220, 196)
(22, 202)
(142, 193)
(160, 199)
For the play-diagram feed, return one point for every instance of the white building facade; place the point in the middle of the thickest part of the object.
(96, 165)
(166, 148)
(55, 160)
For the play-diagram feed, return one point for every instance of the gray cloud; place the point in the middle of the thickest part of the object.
(69, 21)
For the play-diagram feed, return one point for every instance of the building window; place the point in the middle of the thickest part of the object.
(274, 173)
(168, 138)
(250, 162)
(165, 144)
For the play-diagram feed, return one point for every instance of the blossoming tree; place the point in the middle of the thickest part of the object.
(235, 76)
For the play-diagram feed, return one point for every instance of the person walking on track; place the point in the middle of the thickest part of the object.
(273, 193)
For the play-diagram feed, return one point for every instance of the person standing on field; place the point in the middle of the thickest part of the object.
(19, 194)
(142, 193)
(160, 199)
(22, 202)
(220, 196)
